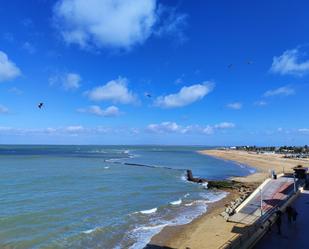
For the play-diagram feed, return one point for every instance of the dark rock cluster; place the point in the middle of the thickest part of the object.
(244, 192)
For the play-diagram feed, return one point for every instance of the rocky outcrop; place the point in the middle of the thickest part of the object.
(242, 190)
(222, 184)
(244, 193)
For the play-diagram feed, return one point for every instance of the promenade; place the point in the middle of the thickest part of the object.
(274, 193)
(294, 235)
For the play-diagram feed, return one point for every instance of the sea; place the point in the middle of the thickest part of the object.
(107, 197)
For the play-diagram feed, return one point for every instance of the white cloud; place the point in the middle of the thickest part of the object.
(3, 109)
(72, 81)
(15, 90)
(111, 111)
(224, 125)
(172, 127)
(165, 127)
(8, 70)
(171, 23)
(290, 63)
(74, 129)
(187, 95)
(29, 47)
(304, 130)
(260, 103)
(68, 81)
(208, 130)
(113, 23)
(115, 90)
(235, 105)
(281, 91)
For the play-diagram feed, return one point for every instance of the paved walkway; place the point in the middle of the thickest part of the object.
(273, 194)
(293, 235)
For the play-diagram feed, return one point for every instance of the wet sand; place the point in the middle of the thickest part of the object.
(192, 235)
(211, 230)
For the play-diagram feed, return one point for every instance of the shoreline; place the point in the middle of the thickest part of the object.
(166, 237)
(210, 228)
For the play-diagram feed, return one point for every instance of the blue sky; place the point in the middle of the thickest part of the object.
(154, 72)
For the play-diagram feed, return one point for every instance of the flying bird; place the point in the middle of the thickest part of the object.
(230, 66)
(148, 95)
(40, 105)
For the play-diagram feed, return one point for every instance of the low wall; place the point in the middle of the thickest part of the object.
(253, 233)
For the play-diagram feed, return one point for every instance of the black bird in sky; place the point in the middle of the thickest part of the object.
(148, 95)
(249, 62)
(40, 105)
(230, 66)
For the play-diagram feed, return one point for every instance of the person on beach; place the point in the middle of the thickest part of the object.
(294, 214)
(289, 212)
(279, 220)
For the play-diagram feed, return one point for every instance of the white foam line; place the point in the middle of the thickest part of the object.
(178, 202)
(89, 231)
(149, 211)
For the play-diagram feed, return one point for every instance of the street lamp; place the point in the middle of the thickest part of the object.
(261, 201)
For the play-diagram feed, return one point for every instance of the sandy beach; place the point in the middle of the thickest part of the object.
(211, 230)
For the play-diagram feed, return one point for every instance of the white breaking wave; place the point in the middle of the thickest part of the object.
(213, 197)
(114, 160)
(184, 178)
(178, 202)
(196, 202)
(143, 234)
(106, 167)
(89, 231)
(205, 185)
(149, 211)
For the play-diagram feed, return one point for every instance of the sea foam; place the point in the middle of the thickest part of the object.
(178, 202)
(149, 211)
(143, 233)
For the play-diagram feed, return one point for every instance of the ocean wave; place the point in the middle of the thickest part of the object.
(149, 211)
(252, 171)
(243, 166)
(89, 231)
(196, 202)
(205, 185)
(95, 151)
(178, 202)
(143, 233)
(133, 156)
(114, 160)
(184, 177)
(213, 196)
(106, 167)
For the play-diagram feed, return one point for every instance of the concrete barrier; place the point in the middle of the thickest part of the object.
(252, 195)
(255, 192)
